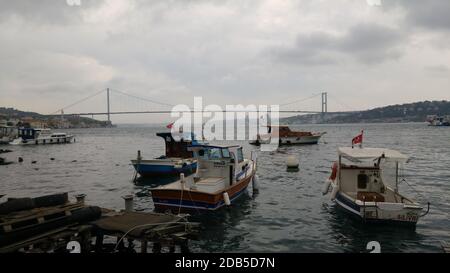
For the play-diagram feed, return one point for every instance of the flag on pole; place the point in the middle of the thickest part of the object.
(358, 139)
(170, 125)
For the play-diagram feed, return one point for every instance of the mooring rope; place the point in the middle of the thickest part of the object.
(144, 225)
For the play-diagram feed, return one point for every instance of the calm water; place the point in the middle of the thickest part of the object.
(288, 215)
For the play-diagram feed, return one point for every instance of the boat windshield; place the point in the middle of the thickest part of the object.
(240, 155)
(213, 153)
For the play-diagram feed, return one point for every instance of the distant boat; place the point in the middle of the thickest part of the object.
(32, 136)
(7, 134)
(435, 120)
(364, 183)
(287, 137)
(177, 158)
(222, 176)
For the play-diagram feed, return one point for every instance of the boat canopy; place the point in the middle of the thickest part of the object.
(361, 154)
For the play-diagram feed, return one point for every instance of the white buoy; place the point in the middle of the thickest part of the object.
(326, 186)
(292, 163)
(255, 183)
(226, 199)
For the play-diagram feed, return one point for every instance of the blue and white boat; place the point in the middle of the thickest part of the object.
(365, 182)
(176, 160)
(32, 136)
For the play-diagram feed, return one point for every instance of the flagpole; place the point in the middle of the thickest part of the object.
(362, 139)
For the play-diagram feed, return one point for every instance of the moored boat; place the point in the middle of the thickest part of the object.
(177, 158)
(7, 134)
(287, 137)
(435, 120)
(32, 136)
(223, 175)
(364, 183)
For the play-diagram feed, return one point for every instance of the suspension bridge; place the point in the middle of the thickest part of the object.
(108, 112)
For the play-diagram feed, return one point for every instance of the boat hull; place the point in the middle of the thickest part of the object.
(43, 141)
(155, 168)
(175, 199)
(373, 214)
(302, 140)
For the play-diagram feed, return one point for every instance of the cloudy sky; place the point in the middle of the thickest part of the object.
(55, 52)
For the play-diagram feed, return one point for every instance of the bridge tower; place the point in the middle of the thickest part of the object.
(108, 106)
(324, 102)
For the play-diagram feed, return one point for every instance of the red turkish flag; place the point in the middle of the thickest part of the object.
(169, 126)
(358, 139)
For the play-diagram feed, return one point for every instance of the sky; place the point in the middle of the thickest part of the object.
(363, 53)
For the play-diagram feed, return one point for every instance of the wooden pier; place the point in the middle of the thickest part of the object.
(53, 224)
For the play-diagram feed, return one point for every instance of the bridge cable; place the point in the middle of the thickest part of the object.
(301, 100)
(79, 101)
(141, 98)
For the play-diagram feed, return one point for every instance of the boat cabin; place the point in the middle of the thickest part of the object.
(285, 131)
(32, 133)
(220, 161)
(178, 149)
(370, 174)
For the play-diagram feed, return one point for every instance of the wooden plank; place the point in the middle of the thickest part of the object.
(38, 213)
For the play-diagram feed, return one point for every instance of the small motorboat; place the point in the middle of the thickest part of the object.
(435, 120)
(287, 137)
(177, 158)
(32, 136)
(222, 176)
(364, 183)
(7, 134)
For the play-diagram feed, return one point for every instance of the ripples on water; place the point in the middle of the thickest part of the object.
(288, 215)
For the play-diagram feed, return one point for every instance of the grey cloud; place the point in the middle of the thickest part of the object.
(45, 11)
(430, 14)
(368, 43)
(438, 69)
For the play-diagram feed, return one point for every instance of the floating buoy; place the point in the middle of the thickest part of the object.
(226, 199)
(33, 162)
(326, 186)
(334, 191)
(255, 183)
(292, 163)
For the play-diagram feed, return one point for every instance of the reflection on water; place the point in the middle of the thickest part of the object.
(288, 215)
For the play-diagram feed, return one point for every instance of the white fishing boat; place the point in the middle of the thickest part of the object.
(222, 175)
(365, 181)
(32, 136)
(435, 120)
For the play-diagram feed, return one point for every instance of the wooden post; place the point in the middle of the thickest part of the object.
(144, 245)
(99, 242)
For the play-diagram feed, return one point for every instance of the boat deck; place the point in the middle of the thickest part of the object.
(208, 185)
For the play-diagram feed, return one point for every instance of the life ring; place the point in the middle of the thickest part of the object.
(334, 169)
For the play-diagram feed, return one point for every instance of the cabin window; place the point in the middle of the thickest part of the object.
(362, 181)
(225, 153)
(240, 155)
(215, 153)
